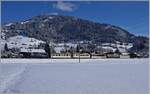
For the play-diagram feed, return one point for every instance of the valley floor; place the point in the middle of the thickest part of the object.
(67, 76)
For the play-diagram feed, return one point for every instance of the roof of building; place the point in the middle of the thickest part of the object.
(32, 50)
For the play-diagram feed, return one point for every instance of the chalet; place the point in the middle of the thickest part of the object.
(98, 56)
(82, 55)
(32, 53)
(69, 55)
(133, 55)
(112, 55)
(124, 55)
(61, 55)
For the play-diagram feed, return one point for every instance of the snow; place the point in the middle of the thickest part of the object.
(107, 27)
(3, 35)
(41, 25)
(45, 20)
(67, 44)
(22, 42)
(33, 50)
(109, 48)
(2, 42)
(12, 79)
(9, 24)
(60, 46)
(50, 17)
(67, 76)
(121, 47)
(59, 49)
(24, 22)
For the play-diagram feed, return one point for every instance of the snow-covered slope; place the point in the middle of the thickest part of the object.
(21, 42)
(9, 24)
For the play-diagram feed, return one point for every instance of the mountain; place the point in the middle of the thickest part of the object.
(58, 28)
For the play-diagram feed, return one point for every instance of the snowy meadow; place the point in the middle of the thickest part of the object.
(68, 76)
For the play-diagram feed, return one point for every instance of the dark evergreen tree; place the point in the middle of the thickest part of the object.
(48, 50)
(71, 52)
(6, 47)
(117, 51)
(77, 48)
(90, 55)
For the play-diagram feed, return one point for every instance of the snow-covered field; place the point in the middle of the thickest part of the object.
(61, 76)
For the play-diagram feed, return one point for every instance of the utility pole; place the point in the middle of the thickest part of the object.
(51, 49)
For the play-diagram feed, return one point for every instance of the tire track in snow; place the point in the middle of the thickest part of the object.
(9, 84)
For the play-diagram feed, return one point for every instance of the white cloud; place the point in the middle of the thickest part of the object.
(64, 6)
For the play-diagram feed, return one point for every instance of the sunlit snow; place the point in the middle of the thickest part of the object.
(68, 76)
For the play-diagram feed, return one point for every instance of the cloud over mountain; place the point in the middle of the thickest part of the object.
(64, 6)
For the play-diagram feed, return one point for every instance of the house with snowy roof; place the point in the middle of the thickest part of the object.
(33, 53)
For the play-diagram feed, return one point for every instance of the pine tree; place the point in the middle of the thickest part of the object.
(6, 47)
(71, 52)
(48, 50)
(77, 48)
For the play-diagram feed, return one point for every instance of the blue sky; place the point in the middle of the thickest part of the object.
(132, 16)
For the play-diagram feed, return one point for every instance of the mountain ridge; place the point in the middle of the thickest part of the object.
(58, 20)
(59, 28)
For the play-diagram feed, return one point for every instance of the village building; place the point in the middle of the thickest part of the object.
(98, 56)
(112, 55)
(81, 55)
(32, 53)
(61, 55)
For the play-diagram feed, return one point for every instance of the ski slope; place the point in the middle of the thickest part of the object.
(67, 76)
